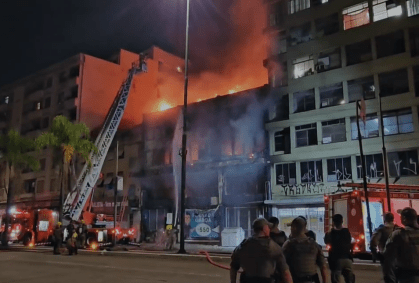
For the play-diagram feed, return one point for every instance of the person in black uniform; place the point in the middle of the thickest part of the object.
(277, 235)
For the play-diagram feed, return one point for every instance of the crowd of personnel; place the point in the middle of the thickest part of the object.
(76, 237)
(270, 256)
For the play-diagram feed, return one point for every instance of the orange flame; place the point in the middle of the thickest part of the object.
(164, 106)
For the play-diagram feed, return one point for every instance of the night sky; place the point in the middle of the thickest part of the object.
(38, 33)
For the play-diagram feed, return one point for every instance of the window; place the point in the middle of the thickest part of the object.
(392, 83)
(403, 163)
(282, 108)
(29, 186)
(390, 44)
(73, 114)
(303, 67)
(282, 141)
(383, 9)
(45, 122)
(369, 130)
(356, 16)
(416, 79)
(373, 165)
(306, 135)
(74, 92)
(339, 169)
(62, 77)
(334, 131)
(47, 102)
(304, 101)
(331, 95)
(278, 13)
(359, 52)
(74, 72)
(327, 26)
(414, 41)
(412, 7)
(297, 5)
(398, 122)
(49, 82)
(311, 171)
(361, 88)
(60, 97)
(318, 2)
(300, 34)
(285, 174)
(328, 60)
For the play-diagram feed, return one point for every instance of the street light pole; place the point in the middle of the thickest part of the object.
(184, 152)
(384, 157)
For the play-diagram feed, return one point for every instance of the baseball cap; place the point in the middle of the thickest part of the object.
(260, 222)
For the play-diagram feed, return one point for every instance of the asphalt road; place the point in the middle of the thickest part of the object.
(44, 267)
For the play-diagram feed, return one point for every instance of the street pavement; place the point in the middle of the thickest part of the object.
(43, 267)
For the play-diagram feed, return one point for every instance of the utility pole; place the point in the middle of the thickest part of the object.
(184, 152)
(115, 193)
(364, 171)
(385, 165)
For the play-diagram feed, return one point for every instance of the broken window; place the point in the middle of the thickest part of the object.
(339, 169)
(394, 82)
(373, 165)
(278, 13)
(416, 79)
(414, 41)
(285, 174)
(295, 6)
(361, 88)
(300, 34)
(412, 7)
(328, 60)
(331, 95)
(356, 16)
(398, 122)
(282, 108)
(334, 131)
(311, 171)
(368, 130)
(358, 52)
(282, 141)
(403, 163)
(304, 101)
(303, 67)
(327, 26)
(390, 44)
(306, 135)
(383, 9)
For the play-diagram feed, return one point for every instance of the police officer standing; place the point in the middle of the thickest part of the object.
(277, 235)
(259, 257)
(58, 238)
(379, 239)
(303, 254)
(402, 248)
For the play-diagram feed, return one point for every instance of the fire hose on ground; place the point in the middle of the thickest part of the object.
(214, 263)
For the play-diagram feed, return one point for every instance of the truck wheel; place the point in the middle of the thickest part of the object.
(27, 239)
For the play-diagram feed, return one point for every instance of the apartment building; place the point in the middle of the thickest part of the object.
(324, 55)
(82, 88)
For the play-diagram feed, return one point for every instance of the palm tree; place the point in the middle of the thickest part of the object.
(68, 139)
(14, 153)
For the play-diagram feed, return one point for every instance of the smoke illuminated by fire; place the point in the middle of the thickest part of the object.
(164, 106)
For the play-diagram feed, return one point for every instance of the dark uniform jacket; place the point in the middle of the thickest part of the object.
(278, 236)
(403, 249)
(58, 234)
(259, 257)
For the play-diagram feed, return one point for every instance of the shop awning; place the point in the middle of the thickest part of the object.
(315, 200)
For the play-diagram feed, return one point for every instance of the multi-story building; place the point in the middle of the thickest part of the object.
(82, 88)
(325, 55)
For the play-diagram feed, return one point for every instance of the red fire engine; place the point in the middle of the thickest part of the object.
(351, 205)
(31, 226)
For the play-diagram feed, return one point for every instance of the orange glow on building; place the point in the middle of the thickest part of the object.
(164, 106)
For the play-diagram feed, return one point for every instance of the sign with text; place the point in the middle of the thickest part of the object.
(202, 224)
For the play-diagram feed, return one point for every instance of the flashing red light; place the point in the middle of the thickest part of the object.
(356, 249)
(328, 247)
(362, 236)
(94, 246)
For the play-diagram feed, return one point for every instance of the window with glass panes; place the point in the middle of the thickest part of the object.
(412, 7)
(295, 6)
(331, 95)
(339, 169)
(394, 82)
(383, 9)
(285, 173)
(303, 67)
(361, 88)
(398, 122)
(304, 101)
(403, 163)
(311, 171)
(279, 141)
(334, 131)
(356, 16)
(373, 165)
(368, 130)
(306, 135)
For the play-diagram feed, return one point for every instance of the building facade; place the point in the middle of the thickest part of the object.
(325, 55)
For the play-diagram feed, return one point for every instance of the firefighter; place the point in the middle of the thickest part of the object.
(303, 254)
(70, 229)
(277, 235)
(58, 238)
(82, 235)
(72, 244)
(259, 257)
(379, 239)
(340, 253)
(402, 248)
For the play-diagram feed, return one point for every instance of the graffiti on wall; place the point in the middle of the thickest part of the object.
(302, 189)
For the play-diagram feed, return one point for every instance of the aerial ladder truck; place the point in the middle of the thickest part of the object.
(75, 203)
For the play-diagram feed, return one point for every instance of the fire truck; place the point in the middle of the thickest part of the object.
(352, 206)
(76, 205)
(31, 226)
